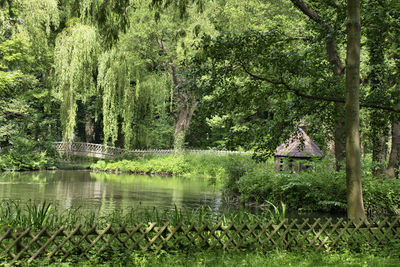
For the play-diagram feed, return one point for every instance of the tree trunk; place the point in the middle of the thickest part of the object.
(186, 104)
(185, 115)
(89, 129)
(355, 205)
(393, 165)
(378, 153)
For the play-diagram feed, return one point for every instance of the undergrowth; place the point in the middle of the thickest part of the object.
(320, 189)
(236, 258)
(206, 165)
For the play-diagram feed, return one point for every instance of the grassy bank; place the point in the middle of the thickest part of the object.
(206, 165)
(237, 258)
(75, 163)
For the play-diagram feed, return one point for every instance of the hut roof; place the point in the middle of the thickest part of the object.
(298, 146)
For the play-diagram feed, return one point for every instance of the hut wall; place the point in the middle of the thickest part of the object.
(291, 164)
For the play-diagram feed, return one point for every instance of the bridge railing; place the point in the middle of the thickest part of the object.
(99, 149)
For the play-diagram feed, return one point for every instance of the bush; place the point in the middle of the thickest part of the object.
(381, 196)
(166, 165)
(26, 154)
(206, 165)
(320, 190)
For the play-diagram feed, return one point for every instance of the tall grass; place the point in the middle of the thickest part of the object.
(15, 213)
(37, 215)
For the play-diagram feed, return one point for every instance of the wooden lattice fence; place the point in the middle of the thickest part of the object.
(329, 234)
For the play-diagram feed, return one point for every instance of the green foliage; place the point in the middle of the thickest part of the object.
(214, 257)
(207, 165)
(168, 165)
(135, 100)
(322, 190)
(25, 154)
(26, 108)
(236, 168)
(76, 53)
(254, 83)
(15, 213)
(381, 195)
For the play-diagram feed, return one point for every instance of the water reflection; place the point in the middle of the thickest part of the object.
(103, 192)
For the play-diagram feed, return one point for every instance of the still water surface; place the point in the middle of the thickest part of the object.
(102, 192)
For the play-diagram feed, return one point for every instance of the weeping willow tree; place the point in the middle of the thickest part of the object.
(153, 123)
(178, 26)
(76, 52)
(39, 17)
(113, 83)
(135, 100)
(131, 77)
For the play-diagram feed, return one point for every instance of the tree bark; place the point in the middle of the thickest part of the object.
(355, 205)
(378, 153)
(186, 104)
(185, 115)
(89, 129)
(393, 165)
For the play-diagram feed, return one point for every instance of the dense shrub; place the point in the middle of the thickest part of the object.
(322, 189)
(207, 165)
(24, 154)
(381, 195)
(166, 165)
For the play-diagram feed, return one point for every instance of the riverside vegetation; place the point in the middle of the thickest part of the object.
(322, 189)
(24, 154)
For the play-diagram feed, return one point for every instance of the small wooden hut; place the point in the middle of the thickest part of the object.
(295, 152)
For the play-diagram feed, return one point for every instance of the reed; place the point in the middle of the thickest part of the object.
(15, 213)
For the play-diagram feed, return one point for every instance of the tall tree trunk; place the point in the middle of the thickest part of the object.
(355, 205)
(378, 153)
(393, 165)
(186, 103)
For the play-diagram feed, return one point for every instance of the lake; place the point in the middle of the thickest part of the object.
(103, 192)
